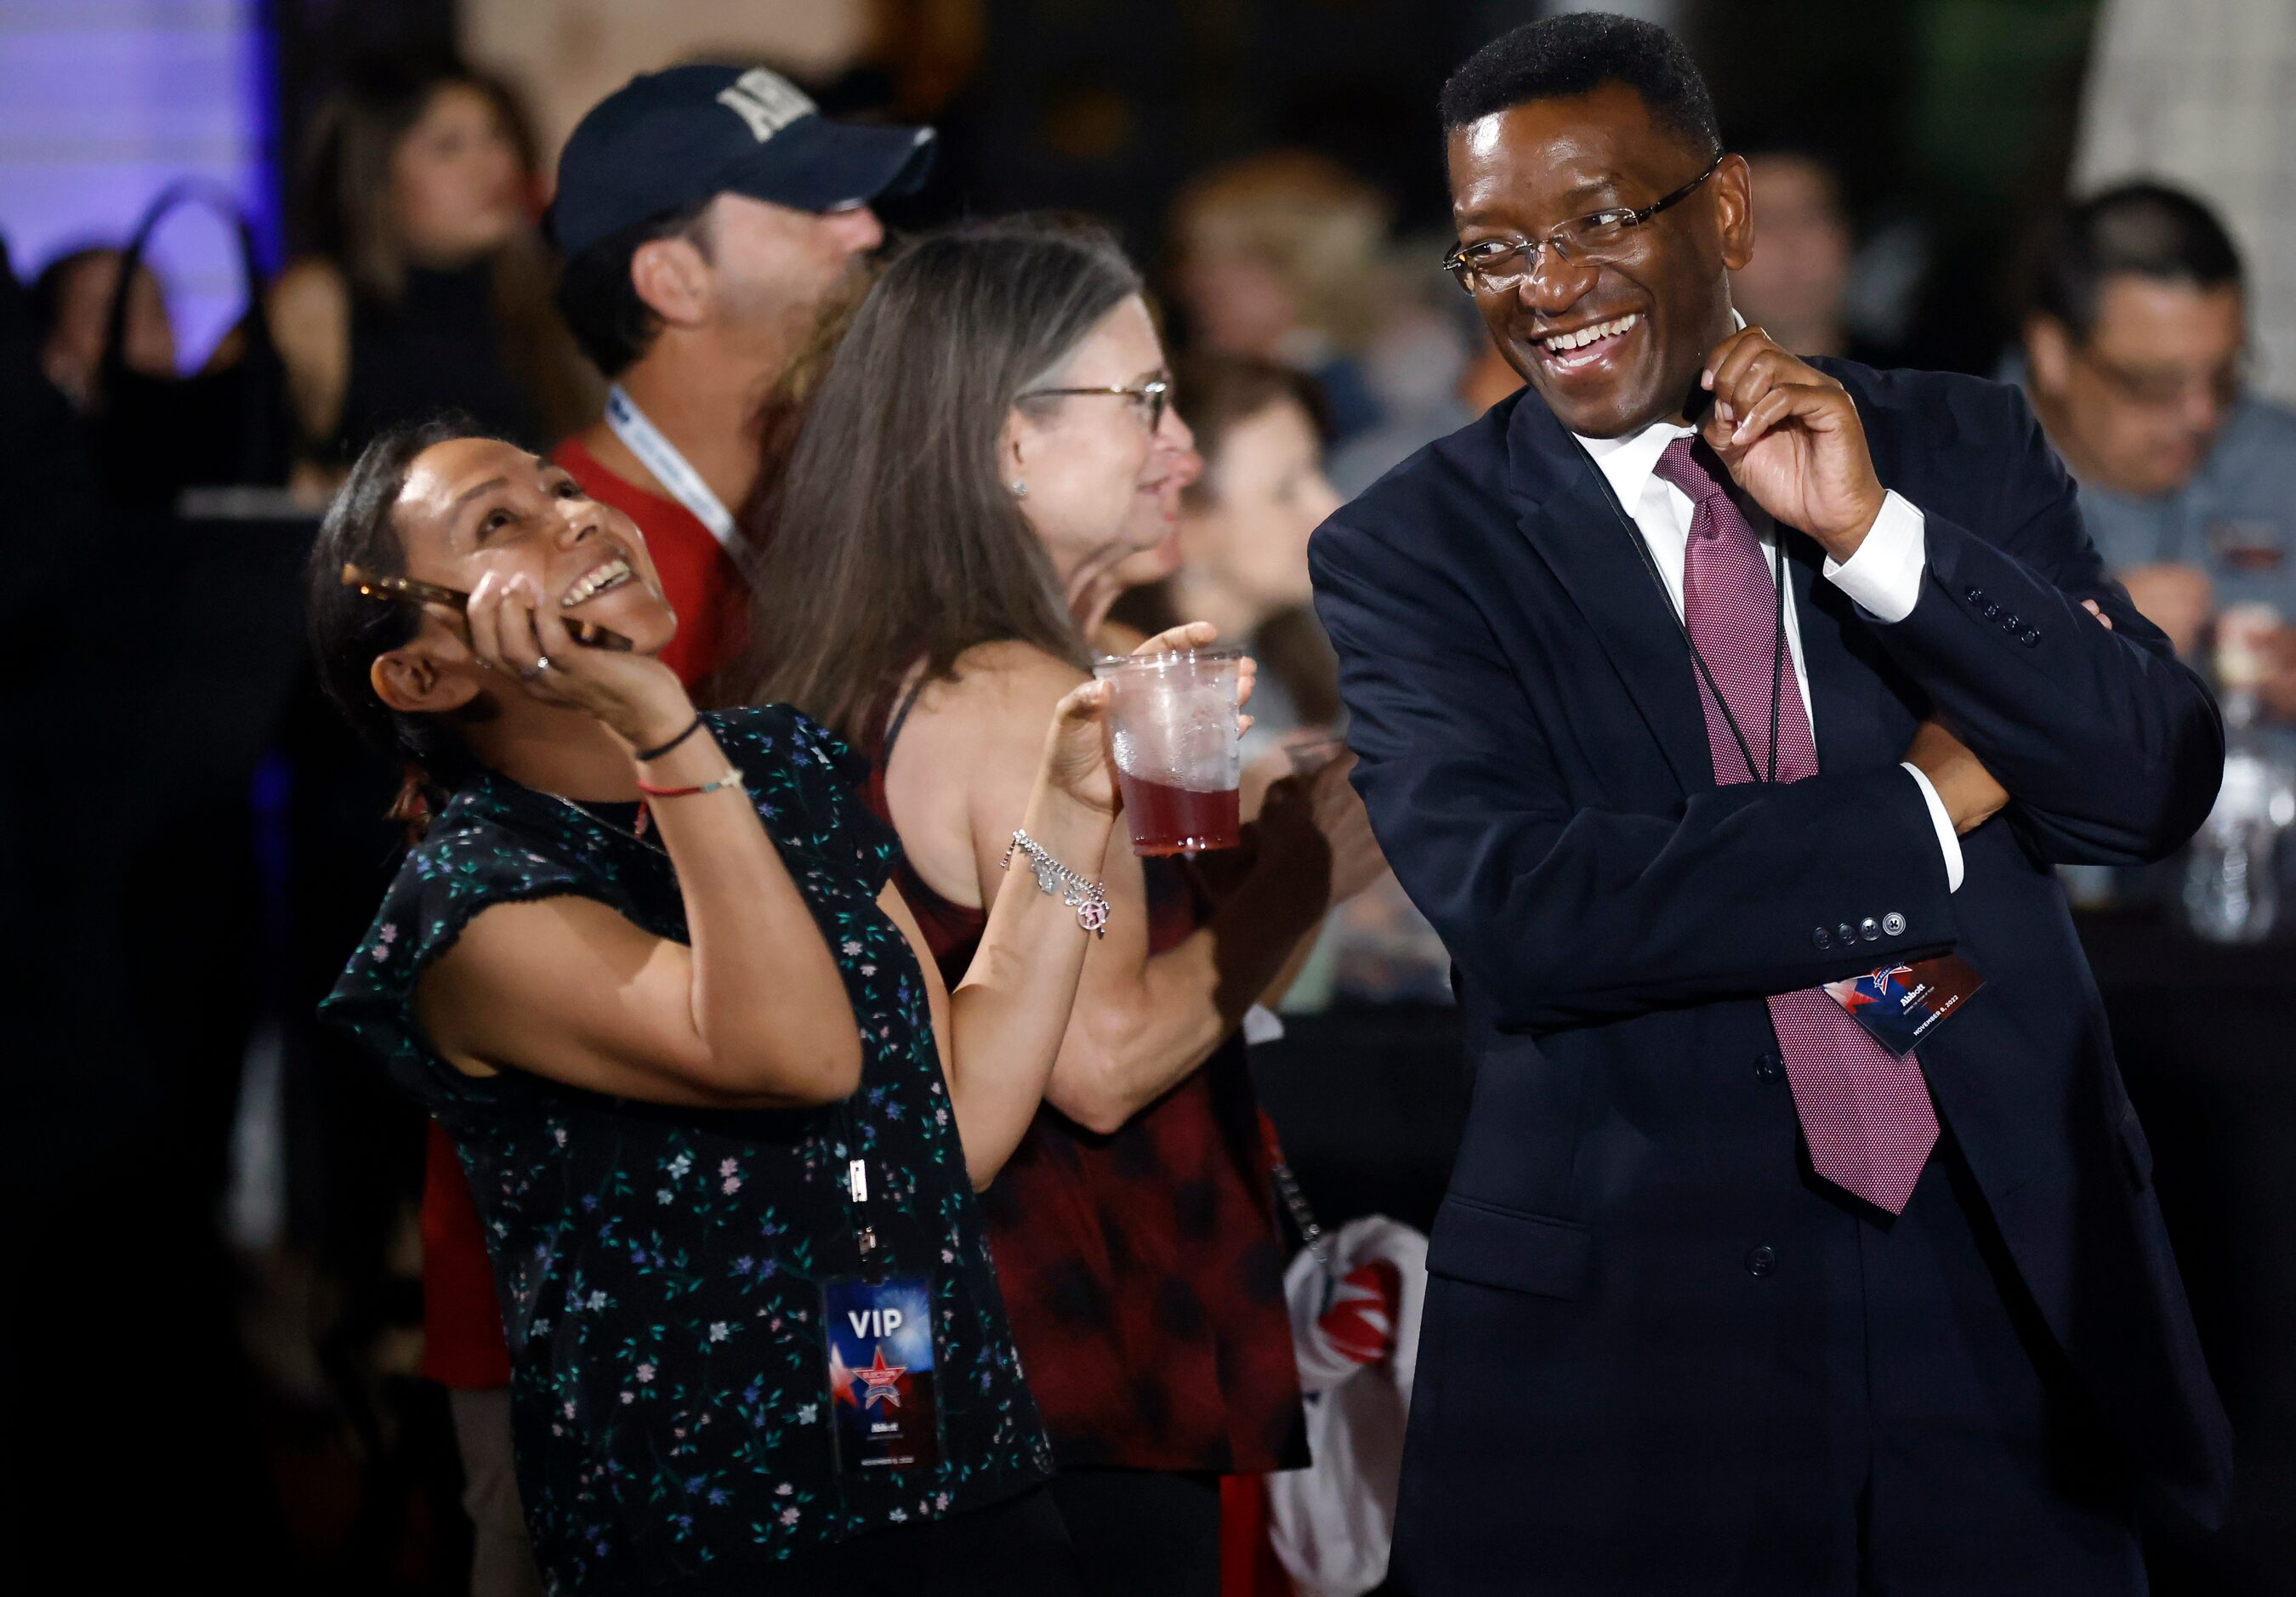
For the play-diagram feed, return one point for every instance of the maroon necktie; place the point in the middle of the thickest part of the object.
(1865, 1112)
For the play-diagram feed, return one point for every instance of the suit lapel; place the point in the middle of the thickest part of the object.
(1844, 706)
(1574, 525)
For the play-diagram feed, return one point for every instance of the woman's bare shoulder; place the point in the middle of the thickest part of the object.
(522, 952)
(975, 734)
(992, 681)
(525, 932)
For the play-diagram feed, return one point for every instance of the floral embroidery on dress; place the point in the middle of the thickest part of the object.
(658, 1268)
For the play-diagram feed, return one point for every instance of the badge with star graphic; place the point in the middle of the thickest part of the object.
(880, 1373)
(1901, 1004)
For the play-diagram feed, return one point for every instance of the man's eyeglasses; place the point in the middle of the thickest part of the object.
(1495, 266)
(1151, 397)
(2158, 388)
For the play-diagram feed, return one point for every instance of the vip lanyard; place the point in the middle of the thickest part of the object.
(857, 1185)
(1681, 625)
(672, 469)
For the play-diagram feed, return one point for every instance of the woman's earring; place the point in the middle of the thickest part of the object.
(1020, 488)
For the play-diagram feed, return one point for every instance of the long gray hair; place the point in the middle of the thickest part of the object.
(892, 535)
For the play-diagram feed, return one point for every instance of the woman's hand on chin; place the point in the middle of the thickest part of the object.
(521, 637)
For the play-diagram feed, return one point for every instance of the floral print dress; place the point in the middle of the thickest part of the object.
(658, 1268)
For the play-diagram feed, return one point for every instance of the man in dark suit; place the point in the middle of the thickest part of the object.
(1692, 679)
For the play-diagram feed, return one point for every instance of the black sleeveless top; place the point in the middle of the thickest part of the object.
(658, 1268)
(437, 348)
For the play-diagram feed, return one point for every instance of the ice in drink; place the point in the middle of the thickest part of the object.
(1174, 724)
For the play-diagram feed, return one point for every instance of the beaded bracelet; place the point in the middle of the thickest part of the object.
(1089, 899)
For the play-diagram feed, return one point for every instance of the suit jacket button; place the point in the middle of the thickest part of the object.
(1770, 1068)
(1975, 595)
(1990, 612)
(1870, 930)
(1761, 1261)
(1894, 923)
(2011, 621)
(2030, 636)
(1822, 937)
(1847, 933)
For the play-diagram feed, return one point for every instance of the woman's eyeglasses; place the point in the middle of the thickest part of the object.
(1495, 266)
(1151, 397)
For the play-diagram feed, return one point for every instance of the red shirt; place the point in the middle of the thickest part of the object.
(462, 1323)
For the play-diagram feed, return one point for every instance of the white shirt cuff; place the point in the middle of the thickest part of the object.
(1949, 843)
(1884, 575)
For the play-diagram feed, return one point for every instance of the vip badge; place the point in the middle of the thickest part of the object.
(880, 1373)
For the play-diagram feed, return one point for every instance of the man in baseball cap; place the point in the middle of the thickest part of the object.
(668, 140)
(705, 214)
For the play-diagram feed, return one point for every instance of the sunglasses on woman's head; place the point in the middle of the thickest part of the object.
(415, 593)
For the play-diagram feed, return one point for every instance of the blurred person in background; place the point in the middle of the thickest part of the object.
(2135, 353)
(1241, 544)
(623, 964)
(1796, 288)
(423, 287)
(1279, 256)
(1487, 380)
(705, 213)
(71, 303)
(973, 463)
(1436, 373)
(1242, 547)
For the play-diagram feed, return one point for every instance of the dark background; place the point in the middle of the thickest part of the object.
(151, 896)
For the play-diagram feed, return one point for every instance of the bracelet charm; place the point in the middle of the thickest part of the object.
(1055, 879)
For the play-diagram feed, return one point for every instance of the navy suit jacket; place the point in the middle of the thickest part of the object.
(1535, 759)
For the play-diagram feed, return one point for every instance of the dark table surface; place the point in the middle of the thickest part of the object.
(1370, 1102)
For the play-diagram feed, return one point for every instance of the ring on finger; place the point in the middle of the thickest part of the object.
(536, 669)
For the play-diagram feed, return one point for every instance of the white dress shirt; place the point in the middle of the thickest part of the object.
(1883, 578)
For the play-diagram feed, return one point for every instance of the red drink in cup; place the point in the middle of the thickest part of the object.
(1169, 819)
(1177, 761)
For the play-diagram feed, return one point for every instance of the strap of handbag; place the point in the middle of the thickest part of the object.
(263, 434)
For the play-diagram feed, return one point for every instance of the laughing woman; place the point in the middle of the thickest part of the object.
(722, 1120)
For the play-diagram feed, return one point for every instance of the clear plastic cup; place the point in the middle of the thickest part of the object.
(1173, 716)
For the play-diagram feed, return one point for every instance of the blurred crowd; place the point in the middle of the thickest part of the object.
(1311, 349)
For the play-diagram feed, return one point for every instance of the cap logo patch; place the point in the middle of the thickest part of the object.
(766, 101)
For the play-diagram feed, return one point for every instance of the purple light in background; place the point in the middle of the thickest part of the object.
(103, 103)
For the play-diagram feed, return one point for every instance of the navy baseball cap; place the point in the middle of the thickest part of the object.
(667, 140)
